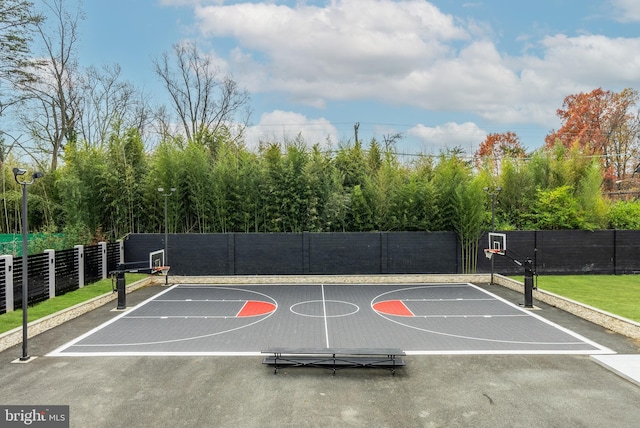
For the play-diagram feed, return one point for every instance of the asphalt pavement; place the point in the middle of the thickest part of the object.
(239, 391)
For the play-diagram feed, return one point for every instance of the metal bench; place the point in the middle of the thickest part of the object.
(335, 358)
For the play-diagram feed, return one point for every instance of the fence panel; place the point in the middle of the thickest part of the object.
(268, 253)
(17, 283)
(345, 253)
(421, 252)
(38, 284)
(92, 264)
(575, 251)
(66, 271)
(113, 256)
(627, 251)
(198, 254)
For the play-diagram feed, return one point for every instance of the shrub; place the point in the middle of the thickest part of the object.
(625, 215)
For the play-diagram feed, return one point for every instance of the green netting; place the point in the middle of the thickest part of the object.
(11, 243)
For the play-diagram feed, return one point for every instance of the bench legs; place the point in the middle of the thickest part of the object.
(334, 361)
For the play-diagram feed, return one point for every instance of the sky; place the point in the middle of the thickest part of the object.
(442, 73)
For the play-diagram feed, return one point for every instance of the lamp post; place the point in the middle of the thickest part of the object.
(19, 172)
(494, 194)
(166, 225)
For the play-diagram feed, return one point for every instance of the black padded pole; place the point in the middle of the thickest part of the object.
(122, 291)
(528, 284)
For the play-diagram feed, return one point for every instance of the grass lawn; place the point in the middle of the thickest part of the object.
(13, 319)
(617, 294)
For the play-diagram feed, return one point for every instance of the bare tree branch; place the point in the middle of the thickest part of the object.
(52, 109)
(203, 99)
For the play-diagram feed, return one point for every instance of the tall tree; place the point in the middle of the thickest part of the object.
(246, 193)
(601, 123)
(450, 173)
(274, 196)
(52, 109)
(518, 192)
(328, 199)
(351, 161)
(126, 167)
(82, 191)
(109, 104)
(469, 222)
(18, 22)
(386, 181)
(459, 204)
(205, 100)
(497, 147)
(361, 216)
(194, 189)
(623, 129)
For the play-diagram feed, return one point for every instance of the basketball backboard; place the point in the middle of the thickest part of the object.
(498, 242)
(156, 259)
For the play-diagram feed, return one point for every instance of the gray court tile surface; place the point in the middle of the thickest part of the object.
(444, 319)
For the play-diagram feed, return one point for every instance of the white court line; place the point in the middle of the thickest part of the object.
(459, 299)
(509, 352)
(159, 354)
(200, 300)
(471, 316)
(602, 349)
(580, 339)
(324, 310)
(180, 317)
(58, 352)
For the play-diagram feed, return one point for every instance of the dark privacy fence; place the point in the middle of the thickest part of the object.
(54, 273)
(553, 252)
(573, 251)
(299, 253)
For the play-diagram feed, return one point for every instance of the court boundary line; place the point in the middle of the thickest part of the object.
(58, 351)
(604, 349)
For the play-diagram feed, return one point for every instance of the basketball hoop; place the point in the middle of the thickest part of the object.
(160, 270)
(489, 252)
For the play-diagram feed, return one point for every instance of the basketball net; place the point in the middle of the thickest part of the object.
(162, 270)
(489, 252)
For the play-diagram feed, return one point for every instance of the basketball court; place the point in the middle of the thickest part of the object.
(420, 319)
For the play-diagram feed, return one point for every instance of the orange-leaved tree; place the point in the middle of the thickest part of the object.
(496, 147)
(601, 123)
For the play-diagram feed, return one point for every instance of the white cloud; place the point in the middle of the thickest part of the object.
(466, 135)
(281, 126)
(588, 59)
(409, 53)
(627, 10)
(343, 50)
